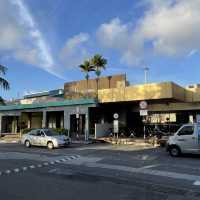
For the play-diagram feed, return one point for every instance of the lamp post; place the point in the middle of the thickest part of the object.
(146, 70)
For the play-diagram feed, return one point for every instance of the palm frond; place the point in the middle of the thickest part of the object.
(3, 69)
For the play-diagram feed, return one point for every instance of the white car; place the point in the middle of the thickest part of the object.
(185, 140)
(45, 137)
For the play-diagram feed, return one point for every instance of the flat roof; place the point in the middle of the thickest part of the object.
(49, 104)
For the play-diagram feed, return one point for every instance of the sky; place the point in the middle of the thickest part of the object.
(42, 43)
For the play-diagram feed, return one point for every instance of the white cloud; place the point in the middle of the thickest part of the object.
(114, 34)
(169, 28)
(21, 38)
(74, 52)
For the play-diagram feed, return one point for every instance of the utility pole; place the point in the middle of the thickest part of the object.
(146, 70)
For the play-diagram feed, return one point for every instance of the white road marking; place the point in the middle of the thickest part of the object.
(149, 166)
(8, 171)
(173, 175)
(197, 183)
(46, 164)
(24, 168)
(16, 170)
(52, 170)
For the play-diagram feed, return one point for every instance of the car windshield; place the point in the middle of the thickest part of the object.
(50, 133)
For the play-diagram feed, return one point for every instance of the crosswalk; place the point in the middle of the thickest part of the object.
(52, 161)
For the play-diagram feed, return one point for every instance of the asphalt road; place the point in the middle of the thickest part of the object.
(97, 172)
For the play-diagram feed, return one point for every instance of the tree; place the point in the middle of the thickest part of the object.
(3, 82)
(86, 68)
(99, 63)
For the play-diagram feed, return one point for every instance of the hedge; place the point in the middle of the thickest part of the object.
(60, 131)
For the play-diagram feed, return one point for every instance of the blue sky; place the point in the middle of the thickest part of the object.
(43, 42)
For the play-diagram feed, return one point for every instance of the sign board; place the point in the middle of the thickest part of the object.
(116, 126)
(116, 116)
(143, 112)
(77, 116)
(143, 105)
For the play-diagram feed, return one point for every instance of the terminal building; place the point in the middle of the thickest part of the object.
(87, 109)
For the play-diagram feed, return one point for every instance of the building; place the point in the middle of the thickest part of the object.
(87, 110)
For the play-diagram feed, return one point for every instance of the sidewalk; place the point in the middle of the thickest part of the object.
(11, 138)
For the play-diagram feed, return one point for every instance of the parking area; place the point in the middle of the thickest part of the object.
(148, 171)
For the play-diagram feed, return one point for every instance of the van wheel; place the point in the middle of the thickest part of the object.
(174, 151)
(50, 145)
(27, 144)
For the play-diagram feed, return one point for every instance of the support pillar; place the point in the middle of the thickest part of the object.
(86, 127)
(44, 116)
(0, 125)
(67, 120)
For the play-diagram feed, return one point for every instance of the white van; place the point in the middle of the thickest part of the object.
(185, 140)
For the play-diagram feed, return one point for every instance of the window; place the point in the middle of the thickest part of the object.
(186, 130)
(37, 133)
(33, 132)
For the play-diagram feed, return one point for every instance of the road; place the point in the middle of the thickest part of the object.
(97, 171)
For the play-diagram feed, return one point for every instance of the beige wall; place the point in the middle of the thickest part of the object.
(151, 91)
(78, 89)
(138, 92)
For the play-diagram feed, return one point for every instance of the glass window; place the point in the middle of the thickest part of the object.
(38, 132)
(50, 133)
(33, 132)
(187, 130)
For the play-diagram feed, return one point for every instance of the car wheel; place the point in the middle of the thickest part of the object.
(174, 151)
(27, 144)
(50, 145)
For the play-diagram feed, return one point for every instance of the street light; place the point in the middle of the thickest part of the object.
(146, 69)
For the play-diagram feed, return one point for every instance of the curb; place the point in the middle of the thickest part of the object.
(8, 142)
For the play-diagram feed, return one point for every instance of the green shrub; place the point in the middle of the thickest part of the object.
(60, 131)
(26, 130)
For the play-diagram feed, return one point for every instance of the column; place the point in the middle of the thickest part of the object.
(0, 124)
(67, 120)
(44, 116)
(87, 125)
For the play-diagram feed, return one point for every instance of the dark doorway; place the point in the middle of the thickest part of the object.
(77, 124)
(10, 124)
(55, 119)
(134, 122)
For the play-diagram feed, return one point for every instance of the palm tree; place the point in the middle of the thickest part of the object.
(3, 82)
(99, 63)
(86, 67)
